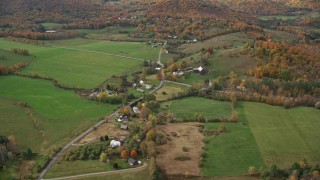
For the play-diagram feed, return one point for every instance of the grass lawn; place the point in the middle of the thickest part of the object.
(191, 105)
(81, 68)
(8, 58)
(168, 91)
(53, 110)
(69, 168)
(284, 136)
(231, 153)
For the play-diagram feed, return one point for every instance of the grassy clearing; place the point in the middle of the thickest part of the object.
(8, 58)
(53, 109)
(187, 107)
(282, 36)
(50, 25)
(285, 136)
(69, 168)
(231, 153)
(168, 91)
(230, 40)
(278, 17)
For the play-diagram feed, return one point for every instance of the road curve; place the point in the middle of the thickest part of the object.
(101, 173)
(58, 155)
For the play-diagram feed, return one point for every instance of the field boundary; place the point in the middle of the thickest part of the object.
(98, 52)
(101, 173)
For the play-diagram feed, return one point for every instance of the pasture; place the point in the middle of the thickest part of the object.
(168, 91)
(229, 40)
(50, 110)
(86, 64)
(187, 107)
(232, 152)
(284, 136)
(69, 168)
(8, 58)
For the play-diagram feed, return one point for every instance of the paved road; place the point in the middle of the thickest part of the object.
(101, 173)
(98, 52)
(58, 155)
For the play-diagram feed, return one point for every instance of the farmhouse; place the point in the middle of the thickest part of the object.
(132, 161)
(148, 86)
(136, 110)
(115, 143)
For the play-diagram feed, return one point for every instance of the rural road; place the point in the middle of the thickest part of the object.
(101, 173)
(58, 155)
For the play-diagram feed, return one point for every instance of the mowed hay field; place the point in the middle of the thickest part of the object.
(232, 152)
(284, 136)
(187, 107)
(86, 64)
(58, 113)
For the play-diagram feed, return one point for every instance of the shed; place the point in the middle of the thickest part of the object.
(132, 161)
(124, 127)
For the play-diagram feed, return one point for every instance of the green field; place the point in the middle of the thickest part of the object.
(231, 153)
(168, 91)
(69, 168)
(187, 107)
(8, 58)
(278, 17)
(50, 25)
(80, 68)
(57, 112)
(284, 136)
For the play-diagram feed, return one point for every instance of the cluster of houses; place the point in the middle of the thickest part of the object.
(181, 72)
(140, 84)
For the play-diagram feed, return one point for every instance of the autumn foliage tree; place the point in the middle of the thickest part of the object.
(133, 153)
(125, 154)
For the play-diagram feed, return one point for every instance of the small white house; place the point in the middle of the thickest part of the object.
(140, 90)
(142, 82)
(148, 86)
(115, 143)
(136, 110)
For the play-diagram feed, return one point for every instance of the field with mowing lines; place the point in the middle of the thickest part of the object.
(284, 136)
(231, 153)
(187, 107)
(52, 109)
(78, 67)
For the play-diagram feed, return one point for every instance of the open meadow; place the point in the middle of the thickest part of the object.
(284, 136)
(232, 152)
(86, 64)
(187, 107)
(49, 110)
